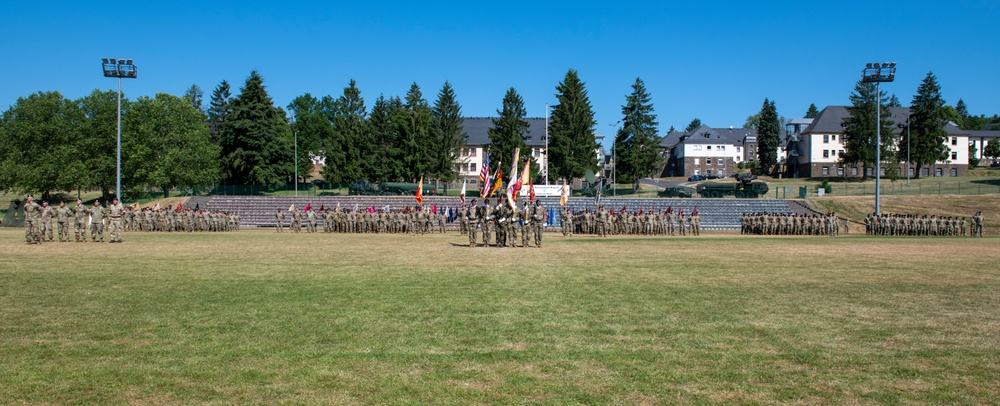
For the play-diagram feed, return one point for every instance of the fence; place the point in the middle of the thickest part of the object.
(889, 188)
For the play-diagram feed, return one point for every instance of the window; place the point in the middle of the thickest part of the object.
(825, 170)
(954, 171)
(708, 147)
(472, 152)
(840, 171)
(696, 161)
(833, 137)
(538, 151)
(938, 172)
(954, 140)
(841, 152)
(472, 167)
(826, 139)
(833, 152)
(854, 171)
(708, 161)
(927, 172)
(721, 162)
(722, 147)
(954, 155)
(826, 153)
(910, 171)
(697, 147)
(697, 172)
(458, 168)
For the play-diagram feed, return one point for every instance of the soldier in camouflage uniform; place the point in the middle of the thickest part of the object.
(62, 218)
(115, 212)
(46, 222)
(96, 221)
(472, 216)
(538, 221)
(31, 213)
(80, 221)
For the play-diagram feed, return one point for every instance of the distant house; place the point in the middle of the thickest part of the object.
(707, 151)
(816, 150)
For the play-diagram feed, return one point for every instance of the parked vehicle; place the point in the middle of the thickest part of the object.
(745, 187)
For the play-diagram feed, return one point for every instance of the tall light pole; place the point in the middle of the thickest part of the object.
(546, 144)
(878, 73)
(296, 136)
(119, 68)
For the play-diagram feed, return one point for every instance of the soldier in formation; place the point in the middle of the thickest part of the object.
(889, 224)
(603, 222)
(170, 220)
(789, 224)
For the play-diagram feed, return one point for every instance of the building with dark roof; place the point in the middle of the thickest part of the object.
(817, 150)
(707, 151)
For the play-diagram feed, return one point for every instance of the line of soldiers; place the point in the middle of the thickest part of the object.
(406, 221)
(503, 222)
(792, 224)
(185, 220)
(603, 222)
(889, 224)
(38, 221)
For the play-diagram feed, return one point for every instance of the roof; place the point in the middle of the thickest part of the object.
(477, 131)
(830, 121)
(708, 135)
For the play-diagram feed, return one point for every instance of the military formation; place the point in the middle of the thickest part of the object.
(889, 224)
(413, 221)
(500, 224)
(792, 224)
(116, 219)
(38, 221)
(603, 222)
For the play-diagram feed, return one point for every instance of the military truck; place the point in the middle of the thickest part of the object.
(678, 191)
(744, 187)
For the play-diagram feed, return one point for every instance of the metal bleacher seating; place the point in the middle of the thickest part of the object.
(716, 214)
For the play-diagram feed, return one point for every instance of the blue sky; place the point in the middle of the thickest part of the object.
(715, 60)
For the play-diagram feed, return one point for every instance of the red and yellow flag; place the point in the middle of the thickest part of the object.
(498, 181)
(420, 191)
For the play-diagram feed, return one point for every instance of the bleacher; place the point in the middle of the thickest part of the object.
(716, 214)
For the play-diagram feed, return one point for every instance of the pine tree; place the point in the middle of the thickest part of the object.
(571, 130)
(385, 161)
(448, 134)
(812, 111)
(350, 137)
(963, 115)
(859, 128)
(413, 124)
(693, 125)
(927, 143)
(636, 146)
(768, 138)
(255, 138)
(218, 109)
(893, 101)
(194, 95)
(509, 131)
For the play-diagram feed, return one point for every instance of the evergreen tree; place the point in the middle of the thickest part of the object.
(963, 115)
(509, 131)
(448, 134)
(768, 138)
(195, 95)
(927, 143)
(636, 146)
(893, 101)
(413, 126)
(693, 125)
(255, 138)
(385, 159)
(671, 130)
(859, 128)
(218, 109)
(812, 111)
(312, 129)
(571, 130)
(350, 140)
(168, 146)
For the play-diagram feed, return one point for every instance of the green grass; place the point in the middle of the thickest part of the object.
(256, 317)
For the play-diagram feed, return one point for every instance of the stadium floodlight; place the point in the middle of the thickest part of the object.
(877, 73)
(119, 68)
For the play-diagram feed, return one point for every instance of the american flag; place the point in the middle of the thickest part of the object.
(484, 174)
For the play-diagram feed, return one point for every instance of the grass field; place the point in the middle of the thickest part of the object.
(255, 317)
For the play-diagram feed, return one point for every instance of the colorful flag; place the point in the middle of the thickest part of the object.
(514, 179)
(321, 207)
(420, 191)
(531, 193)
(308, 206)
(461, 197)
(292, 207)
(564, 198)
(179, 207)
(484, 175)
(496, 184)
